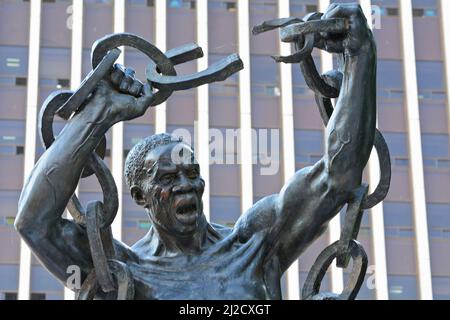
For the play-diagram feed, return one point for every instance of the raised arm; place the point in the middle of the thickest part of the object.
(58, 242)
(300, 212)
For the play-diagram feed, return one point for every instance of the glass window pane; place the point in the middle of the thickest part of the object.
(402, 287)
(435, 146)
(441, 288)
(12, 132)
(225, 210)
(397, 144)
(13, 60)
(397, 214)
(133, 133)
(308, 143)
(438, 217)
(430, 75)
(390, 74)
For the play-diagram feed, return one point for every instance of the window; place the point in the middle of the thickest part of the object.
(231, 6)
(392, 11)
(441, 288)
(398, 219)
(435, 145)
(182, 4)
(430, 13)
(13, 62)
(402, 287)
(12, 132)
(63, 83)
(264, 70)
(37, 296)
(21, 81)
(133, 133)
(9, 221)
(430, 75)
(438, 217)
(418, 12)
(311, 8)
(308, 146)
(390, 74)
(398, 148)
(10, 295)
(225, 210)
(144, 224)
(421, 12)
(148, 3)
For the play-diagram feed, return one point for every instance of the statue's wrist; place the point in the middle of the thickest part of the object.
(367, 48)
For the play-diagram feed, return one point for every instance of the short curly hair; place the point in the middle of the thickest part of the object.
(136, 157)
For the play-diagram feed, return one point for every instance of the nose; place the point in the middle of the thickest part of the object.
(184, 185)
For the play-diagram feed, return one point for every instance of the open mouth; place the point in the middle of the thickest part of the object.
(187, 211)
(187, 208)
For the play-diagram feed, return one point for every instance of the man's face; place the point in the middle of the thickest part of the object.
(173, 188)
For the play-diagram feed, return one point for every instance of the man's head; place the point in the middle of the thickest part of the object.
(164, 177)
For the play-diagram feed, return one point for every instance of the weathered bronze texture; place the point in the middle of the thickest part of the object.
(183, 256)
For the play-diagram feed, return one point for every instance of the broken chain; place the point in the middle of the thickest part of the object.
(109, 274)
(306, 34)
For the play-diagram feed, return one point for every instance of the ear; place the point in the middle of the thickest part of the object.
(137, 195)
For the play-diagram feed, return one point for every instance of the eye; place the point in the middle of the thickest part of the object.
(192, 173)
(167, 178)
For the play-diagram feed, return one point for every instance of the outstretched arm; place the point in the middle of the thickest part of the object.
(58, 242)
(300, 212)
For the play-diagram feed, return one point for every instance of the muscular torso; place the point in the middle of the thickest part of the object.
(227, 269)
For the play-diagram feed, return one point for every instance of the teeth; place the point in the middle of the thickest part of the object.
(187, 208)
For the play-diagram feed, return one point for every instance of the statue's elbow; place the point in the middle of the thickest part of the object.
(25, 224)
(22, 226)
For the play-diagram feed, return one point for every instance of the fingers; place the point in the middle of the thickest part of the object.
(342, 10)
(145, 100)
(124, 80)
(127, 80)
(117, 74)
(136, 88)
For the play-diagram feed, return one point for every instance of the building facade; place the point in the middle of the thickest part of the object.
(263, 121)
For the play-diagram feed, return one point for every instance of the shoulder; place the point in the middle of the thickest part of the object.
(219, 231)
(259, 218)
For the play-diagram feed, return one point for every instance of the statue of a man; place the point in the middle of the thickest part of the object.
(183, 256)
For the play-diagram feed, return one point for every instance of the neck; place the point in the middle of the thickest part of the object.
(170, 243)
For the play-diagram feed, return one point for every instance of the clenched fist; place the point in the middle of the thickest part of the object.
(123, 97)
(357, 39)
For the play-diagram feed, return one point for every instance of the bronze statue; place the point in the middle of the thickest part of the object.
(183, 256)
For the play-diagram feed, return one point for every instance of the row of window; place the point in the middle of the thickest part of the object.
(14, 61)
(398, 216)
(435, 148)
(13, 296)
(308, 143)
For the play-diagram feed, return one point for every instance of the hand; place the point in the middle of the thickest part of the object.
(124, 97)
(358, 39)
